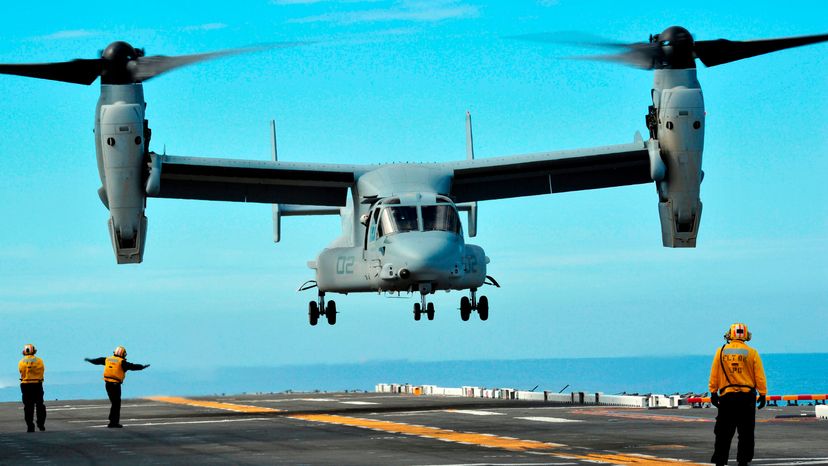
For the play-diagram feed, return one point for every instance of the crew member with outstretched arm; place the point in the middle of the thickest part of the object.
(115, 368)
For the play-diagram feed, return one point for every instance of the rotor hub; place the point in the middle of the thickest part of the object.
(676, 47)
(119, 51)
(117, 56)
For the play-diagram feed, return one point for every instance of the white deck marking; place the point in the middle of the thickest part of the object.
(474, 412)
(547, 419)
(791, 461)
(217, 421)
(144, 419)
(278, 400)
(505, 464)
(76, 408)
(358, 402)
(797, 463)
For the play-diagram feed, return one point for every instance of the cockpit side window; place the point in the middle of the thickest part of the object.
(372, 226)
(441, 217)
(397, 220)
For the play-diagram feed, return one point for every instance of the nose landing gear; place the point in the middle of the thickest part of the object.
(318, 308)
(467, 305)
(423, 308)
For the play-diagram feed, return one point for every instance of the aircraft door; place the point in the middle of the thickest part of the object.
(370, 251)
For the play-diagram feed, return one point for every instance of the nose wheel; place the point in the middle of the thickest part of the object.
(318, 308)
(467, 305)
(423, 308)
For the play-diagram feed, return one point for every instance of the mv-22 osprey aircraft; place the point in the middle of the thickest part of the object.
(401, 231)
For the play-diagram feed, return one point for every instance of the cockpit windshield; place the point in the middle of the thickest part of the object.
(397, 220)
(441, 217)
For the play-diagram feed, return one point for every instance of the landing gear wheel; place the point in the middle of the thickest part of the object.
(465, 308)
(417, 311)
(483, 308)
(430, 311)
(330, 312)
(313, 312)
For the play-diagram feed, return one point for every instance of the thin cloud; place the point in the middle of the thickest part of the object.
(414, 11)
(70, 34)
(205, 27)
(311, 2)
(295, 2)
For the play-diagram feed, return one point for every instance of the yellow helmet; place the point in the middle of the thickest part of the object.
(120, 351)
(738, 331)
(29, 349)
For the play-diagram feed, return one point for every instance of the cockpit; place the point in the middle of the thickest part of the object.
(394, 216)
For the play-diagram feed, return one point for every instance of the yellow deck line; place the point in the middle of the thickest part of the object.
(491, 441)
(446, 435)
(214, 404)
(487, 440)
(631, 460)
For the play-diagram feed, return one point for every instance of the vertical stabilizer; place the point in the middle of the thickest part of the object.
(273, 153)
(469, 138)
(472, 230)
(277, 214)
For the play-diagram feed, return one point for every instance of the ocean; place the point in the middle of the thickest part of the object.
(787, 374)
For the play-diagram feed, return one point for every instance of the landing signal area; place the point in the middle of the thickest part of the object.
(370, 428)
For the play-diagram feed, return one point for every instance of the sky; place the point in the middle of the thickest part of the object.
(584, 274)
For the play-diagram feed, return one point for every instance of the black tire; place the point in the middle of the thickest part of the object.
(465, 308)
(313, 312)
(417, 311)
(330, 312)
(430, 311)
(483, 308)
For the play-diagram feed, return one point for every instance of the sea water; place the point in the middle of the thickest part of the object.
(786, 373)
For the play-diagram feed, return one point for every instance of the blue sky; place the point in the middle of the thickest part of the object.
(583, 274)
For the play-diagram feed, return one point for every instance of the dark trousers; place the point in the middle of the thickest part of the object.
(737, 412)
(33, 398)
(113, 391)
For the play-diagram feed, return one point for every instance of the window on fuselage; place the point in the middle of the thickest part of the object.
(441, 217)
(397, 220)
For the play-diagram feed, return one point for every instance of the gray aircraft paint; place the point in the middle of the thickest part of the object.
(418, 257)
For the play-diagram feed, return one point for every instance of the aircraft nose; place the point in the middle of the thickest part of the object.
(428, 256)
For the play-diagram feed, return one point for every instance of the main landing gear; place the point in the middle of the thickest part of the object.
(467, 305)
(423, 308)
(318, 308)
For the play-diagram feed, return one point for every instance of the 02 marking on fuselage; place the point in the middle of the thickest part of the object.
(345, 265)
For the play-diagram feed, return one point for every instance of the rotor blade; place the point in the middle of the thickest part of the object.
(575, 38)
(720, 51)
(75, 71)
(145, 68)
(638, 55)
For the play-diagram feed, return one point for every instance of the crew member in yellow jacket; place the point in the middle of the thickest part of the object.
(115, 368)
(31, 387)
(736, 376)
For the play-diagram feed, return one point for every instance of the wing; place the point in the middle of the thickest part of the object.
(267, 182)
(550, 172)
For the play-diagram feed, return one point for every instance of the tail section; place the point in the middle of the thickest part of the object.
(470, 207)
(292, 210)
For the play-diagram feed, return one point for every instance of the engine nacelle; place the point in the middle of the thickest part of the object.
(681, 141)
(121, 136)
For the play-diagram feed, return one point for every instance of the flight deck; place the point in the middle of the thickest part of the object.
(396, 429)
